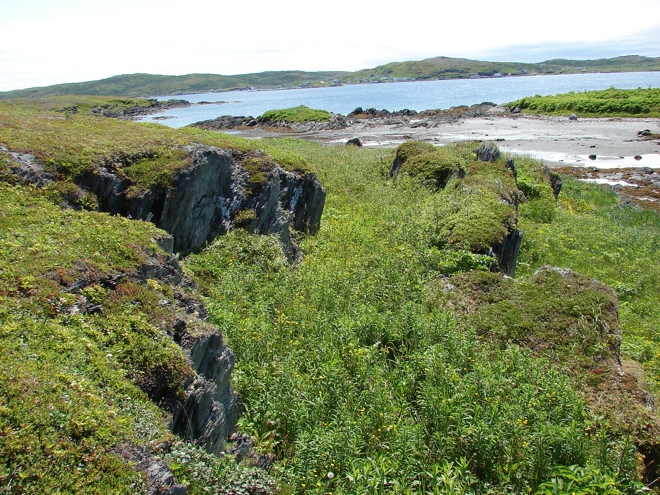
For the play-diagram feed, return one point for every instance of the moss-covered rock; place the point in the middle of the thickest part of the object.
(405, 151)
(478, 211)
(434, 167)
(567, 318)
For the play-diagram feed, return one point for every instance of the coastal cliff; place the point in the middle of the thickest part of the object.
(204, 199)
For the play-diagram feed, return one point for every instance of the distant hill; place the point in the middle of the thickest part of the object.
(433, 68)
(149, 84)
(458, 68)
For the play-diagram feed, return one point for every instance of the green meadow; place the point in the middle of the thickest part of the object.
(391, 359)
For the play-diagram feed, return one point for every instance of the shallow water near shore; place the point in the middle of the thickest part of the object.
(417, 95)
(606, 162)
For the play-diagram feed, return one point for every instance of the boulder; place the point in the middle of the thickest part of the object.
(488, 153)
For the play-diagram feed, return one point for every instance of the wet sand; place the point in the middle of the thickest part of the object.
(557, 141)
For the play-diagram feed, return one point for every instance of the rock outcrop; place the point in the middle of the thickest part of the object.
(205, 198)
(507, 252)
(488, 153)
(337, 121)
(209, 413)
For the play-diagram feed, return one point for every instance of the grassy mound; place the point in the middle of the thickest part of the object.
(296, 114)
(476, 207)
(433, 167)
(608, 102)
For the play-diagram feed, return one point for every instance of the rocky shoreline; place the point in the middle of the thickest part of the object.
(621, 152)
(369, 116)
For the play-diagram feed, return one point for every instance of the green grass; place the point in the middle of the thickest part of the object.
(618, 245)
(359, 372)
(296, 114)
(608, 102)
(72, 144)
(77, 388)
(68, 381)
(358, 386)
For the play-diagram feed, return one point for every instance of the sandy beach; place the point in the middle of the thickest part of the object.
(556, 140)
(607, 150)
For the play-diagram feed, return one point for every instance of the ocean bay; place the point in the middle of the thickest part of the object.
(414, 95)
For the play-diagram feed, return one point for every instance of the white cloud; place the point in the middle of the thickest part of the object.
(82, 40)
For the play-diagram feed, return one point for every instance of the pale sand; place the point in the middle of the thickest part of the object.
(555, 140)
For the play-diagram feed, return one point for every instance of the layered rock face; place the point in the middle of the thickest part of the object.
(205, 198)
(208, 414)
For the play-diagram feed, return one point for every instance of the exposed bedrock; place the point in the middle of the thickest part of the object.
(507, 252)
(209, 412)
(205, 198)
(208, 416)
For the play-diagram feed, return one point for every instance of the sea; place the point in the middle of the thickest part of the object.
(413, 95)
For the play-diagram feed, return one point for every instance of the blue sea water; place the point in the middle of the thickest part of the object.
(416, 95)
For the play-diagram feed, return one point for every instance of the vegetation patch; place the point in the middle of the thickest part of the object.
(86, 360)
(361, 370)
(296, 114)
(357, 376)
(70, 145)
(559, 314)
(608, 102)
(618, 245)
(476, 212)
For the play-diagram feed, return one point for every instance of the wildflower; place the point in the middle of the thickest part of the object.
(331, 475)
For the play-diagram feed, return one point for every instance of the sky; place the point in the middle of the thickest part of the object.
(45, 42)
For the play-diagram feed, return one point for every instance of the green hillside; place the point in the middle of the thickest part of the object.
(454, 68)
(393, 358)
(150, 84)
(433, 68)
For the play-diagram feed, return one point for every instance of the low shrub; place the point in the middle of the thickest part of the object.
(296, 114)
(433, 168)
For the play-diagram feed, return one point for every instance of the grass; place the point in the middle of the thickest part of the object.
(358, 386)
(618, 245)
(360, 370)
(296, 114)
(67, 395)
(78, 388)
(73, 144)
(608, 102)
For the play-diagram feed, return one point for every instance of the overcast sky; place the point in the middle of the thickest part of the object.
(46, 42)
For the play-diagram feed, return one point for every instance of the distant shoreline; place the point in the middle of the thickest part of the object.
(437, 68)
(242, 90)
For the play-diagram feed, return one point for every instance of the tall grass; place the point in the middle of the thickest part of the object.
(356, 385)
(618, 245)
